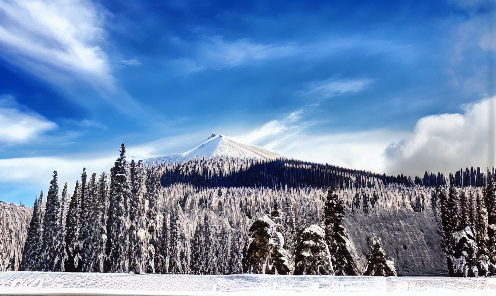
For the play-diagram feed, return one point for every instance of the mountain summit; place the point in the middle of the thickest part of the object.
(218, 146)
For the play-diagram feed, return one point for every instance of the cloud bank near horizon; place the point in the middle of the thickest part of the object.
(446, 142)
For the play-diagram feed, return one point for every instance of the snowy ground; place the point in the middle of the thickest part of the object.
(41, 283)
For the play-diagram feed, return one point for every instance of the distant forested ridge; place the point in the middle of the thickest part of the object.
(227, 215)
(219, 172)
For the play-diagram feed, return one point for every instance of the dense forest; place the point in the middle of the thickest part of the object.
(230, 215)
(14, 221)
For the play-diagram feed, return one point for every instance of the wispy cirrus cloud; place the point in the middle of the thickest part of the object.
(20, 126)
(271, 134)
(131, 62)
(333, 87)
(51, 39)
(217, 53)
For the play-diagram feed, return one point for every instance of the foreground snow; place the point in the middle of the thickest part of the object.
(44, 283)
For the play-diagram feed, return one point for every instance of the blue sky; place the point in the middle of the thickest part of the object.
(387, 86)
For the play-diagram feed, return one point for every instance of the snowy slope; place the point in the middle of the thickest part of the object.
(217, 146)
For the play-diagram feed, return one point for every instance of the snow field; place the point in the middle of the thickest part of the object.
(58, 283)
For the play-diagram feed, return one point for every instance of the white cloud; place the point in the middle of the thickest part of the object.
(273, 132)
(357, 150)
(52, 39)
(447, 142)
(289, 137)
(36, 172)
(20, 127)
(333, 87)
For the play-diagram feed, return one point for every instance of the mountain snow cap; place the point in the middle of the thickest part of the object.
(218, 146)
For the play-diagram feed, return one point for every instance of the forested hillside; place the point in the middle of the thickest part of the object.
(223, 215)
(14, 220)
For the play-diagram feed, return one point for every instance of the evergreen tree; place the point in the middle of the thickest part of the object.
(312, 253)
(266, 253)
(490, 203)
(464, 210)
(38, 261)
(449, 223)
(163, 246)
(32, 246)
(135, 218)
(117, 242)
(72, 244)
(480, 227)
(174, 265)
(60, 253)
(377, 263)
(336, 236)
(85, 223)
(101, 218)
(152, 189)
(52, 227)
(201, 247)
(91, 233)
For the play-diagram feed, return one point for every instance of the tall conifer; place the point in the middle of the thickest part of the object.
(73, 260)
(117, 243)
(51, 226)
(32, 246)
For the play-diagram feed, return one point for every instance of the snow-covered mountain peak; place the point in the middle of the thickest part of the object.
(218, 146)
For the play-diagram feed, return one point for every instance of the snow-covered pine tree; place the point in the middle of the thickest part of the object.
(51, 227)
(91, 231)
(38, 261)
(472, 210)
(152, 194)
(236, 258)
(266, 253)
(32, 246)
(480, 228)
(101, 217)
(72, 224)
(200, 247)
(465, 250)
(117, 242)
(336, 236)
(135, 218)
(459, 242)
(490, 203)
(449, 224)
(60, 253)
(377, 262)
(465, 253)
(174, 265)
(162, 252)
(312, 253)
(464, 209)
(85, 223)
